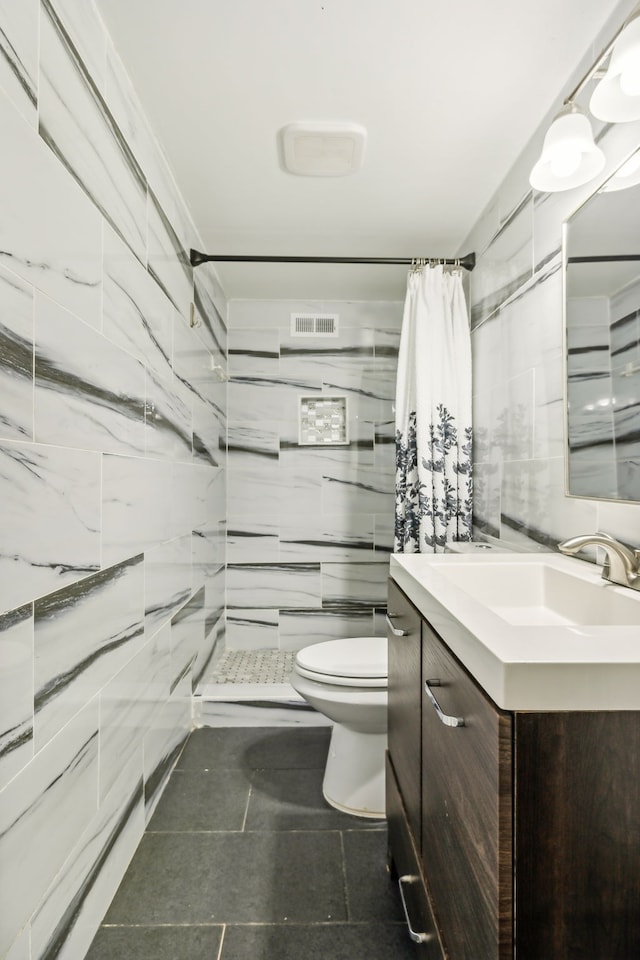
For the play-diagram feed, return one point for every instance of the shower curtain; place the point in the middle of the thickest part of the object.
(433, 414)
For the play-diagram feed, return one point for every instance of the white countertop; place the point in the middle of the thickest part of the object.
(541, 667)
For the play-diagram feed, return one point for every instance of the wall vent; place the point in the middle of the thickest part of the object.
(314, 324)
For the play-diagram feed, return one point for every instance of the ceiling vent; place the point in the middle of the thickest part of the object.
(314, 324)
(318, 149)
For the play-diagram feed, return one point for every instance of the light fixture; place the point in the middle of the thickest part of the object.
(569, 155)
(628, 175)
(616, 99)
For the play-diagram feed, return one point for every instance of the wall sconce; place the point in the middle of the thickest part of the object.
(569, 155)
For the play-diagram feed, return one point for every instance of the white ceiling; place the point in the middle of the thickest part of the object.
(449, 92)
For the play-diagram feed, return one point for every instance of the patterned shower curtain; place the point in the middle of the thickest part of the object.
(433, 414)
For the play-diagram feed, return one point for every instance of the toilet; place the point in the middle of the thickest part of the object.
(346, 680)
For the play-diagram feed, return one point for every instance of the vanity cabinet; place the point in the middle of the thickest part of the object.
(517, 833)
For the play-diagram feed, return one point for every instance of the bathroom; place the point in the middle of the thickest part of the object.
(155, 512)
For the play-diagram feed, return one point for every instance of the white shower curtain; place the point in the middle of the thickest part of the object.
(433, 414)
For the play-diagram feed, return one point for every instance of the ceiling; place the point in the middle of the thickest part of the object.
(449, 93)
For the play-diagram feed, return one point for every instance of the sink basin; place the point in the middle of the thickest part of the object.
(539, 594)
(537, 631)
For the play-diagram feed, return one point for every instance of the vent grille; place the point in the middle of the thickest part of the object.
(314, 324)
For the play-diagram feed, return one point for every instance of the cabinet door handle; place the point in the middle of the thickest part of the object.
(445, 718)
(415, 936)
(394, 630)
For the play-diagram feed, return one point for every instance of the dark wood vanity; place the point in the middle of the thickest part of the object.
(511, 834)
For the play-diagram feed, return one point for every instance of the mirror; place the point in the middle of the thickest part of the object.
(602, 340)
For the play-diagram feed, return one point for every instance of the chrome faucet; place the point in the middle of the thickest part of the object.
(621, 565)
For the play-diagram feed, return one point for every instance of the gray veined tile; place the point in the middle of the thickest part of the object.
(87, 33)
(21, 949)
(70, 913)
(301, 627)
(252, 630)
(357, 489)
(273, 585)
(36, 831)
(168, 428)
(354, 583)
(50, 234)
(163, 743)
(252, 540)
(50, 518)
(16, 691)
(168, 261)
(136, 314)
(129, 706)
(84, 634)
(88, 393)
(19, 55)
(167, 583)
(16, 358)
(212, 311)
(254, 353)
(207, 552)
(76, 123)
(327, 537)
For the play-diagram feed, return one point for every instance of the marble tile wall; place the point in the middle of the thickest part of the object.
(310, 528)
(516, 301)
(112, 475)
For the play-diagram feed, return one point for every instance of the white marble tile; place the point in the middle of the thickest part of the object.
(327, 537)
(19, 55)
(88, 393)
(21, 949)
(384, 532)
(76, 123)
(163, 743)
(16, 692)
(354, 583)
(68, 918)
(518, 433)
(273, 585)
(298, 628)
(50, 234)
(187, 636)
(16, 358)
(252, 630)
(135, 515)
(212, 312)
(487, 490)
(136, 314)
(50, 519)
(83, 635)
(530, 320)
(254, 353)
(259, 399)
(168, 261)
(357, 489)
(168, 579)
(207, 553)
(252, 540)
(86, 32)
(168, 421)
(128, 705)
(36, 831)
(198, 494)
(549, 422)
(264, 708)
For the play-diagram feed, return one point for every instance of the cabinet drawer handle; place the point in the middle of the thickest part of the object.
(447, 720)
(415, 936)
(394, 630)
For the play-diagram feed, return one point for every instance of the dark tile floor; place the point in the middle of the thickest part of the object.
(244, 860)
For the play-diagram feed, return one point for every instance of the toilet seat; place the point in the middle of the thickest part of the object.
(351, 662)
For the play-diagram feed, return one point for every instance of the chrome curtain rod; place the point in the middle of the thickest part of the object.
(196, 258)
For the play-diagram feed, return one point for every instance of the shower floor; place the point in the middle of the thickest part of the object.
(252, 666)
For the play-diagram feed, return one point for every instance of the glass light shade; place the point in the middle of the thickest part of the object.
(616, 99)
(569, 156)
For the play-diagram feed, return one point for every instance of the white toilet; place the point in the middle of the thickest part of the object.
(346, 680)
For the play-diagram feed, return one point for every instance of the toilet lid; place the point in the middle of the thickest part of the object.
(359, 658)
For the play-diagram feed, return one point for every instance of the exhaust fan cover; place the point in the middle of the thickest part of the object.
(318, 149)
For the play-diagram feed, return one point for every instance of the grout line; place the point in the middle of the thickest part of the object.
(246, 809)
(224, 930)
(345, 890)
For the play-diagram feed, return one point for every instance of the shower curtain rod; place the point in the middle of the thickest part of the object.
(196, 258)
(609, 258)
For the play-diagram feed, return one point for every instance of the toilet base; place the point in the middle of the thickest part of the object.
(354, 779)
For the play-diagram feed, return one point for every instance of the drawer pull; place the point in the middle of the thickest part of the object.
(415, 936)
(394, 630)
(445, 718)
